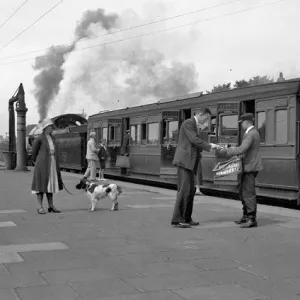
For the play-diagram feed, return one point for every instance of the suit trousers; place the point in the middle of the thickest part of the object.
(247, 193)
(91, 169)
(183, 208)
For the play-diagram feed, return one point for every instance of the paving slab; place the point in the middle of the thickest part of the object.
(167, 281)
(103, 288)
(8, 294)
(165, 295)
(50, 292)
(10, 257)
(7, 224)
(135, 253)
(33, 247)
(220, 292)
(12, 211)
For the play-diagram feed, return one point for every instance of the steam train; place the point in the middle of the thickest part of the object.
(154, 132)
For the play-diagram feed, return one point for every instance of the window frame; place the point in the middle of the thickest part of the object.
(147, 133)
(137, 133)
(165, 139)
(275, 127)
(220, 123)
(256, 124)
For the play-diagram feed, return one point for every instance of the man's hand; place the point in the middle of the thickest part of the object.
(223, 150)
(215, 146)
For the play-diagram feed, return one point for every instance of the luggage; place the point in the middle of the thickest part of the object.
(123, 162)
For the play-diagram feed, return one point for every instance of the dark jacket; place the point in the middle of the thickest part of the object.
(41, 157)
(249, 149)
(126, 142)
(102, 154)
(189, 145)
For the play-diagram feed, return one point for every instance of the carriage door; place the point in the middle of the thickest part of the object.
(169, 137)
(227, 135)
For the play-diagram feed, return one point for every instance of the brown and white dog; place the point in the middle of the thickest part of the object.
(96, 192)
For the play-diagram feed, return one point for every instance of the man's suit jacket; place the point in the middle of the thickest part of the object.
(188, 146)
(249, 149)
(102, 154)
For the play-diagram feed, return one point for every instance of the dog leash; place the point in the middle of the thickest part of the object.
(68, 190)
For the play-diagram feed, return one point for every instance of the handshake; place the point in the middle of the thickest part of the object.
(218, 147)
(215, 146)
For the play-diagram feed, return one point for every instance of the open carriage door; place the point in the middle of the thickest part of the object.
(170, 124)
(228, 135)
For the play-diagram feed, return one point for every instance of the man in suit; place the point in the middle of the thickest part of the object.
(92, 157)
(249, 149)
(186, 158)
(124, 150)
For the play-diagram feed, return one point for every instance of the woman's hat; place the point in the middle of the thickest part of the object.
(45, 123)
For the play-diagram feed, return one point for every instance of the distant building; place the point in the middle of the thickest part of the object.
(1, 139)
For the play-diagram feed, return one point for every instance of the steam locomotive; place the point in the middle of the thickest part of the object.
(154, 132)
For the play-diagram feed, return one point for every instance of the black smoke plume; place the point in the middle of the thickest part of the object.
(49, 66)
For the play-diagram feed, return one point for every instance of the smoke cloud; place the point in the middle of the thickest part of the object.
(49, 66)
(49, 77)
(119, 75)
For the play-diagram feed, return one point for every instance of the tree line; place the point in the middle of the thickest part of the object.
(256, 80)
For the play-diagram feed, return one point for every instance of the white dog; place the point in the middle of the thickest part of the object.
(98, 191)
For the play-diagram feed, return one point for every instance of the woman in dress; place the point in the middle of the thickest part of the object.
(47, 177)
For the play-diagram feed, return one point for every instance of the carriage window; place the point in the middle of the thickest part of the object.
(115, 132)
(281, 126)
(104, 132)
(153, 136)
(213, 125)
(170, 131)
(261, 126)
(173, 130)
(118, 132)
(98, 132)
(138, 134)
(111, 132)
(229, 125)
(135, 132)
(144, 133)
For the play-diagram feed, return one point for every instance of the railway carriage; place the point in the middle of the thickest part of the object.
(154, 130)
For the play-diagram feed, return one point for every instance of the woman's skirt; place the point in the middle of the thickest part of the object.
(53, 186)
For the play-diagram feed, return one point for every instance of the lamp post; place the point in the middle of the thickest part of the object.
(21, 130)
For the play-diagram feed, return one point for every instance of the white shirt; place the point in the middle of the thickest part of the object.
(197, 123)
(248, 129)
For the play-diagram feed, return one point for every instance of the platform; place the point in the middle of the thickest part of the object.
(134, 253)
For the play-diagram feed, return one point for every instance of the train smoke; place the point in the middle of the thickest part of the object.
(49, 66)
(119, 75)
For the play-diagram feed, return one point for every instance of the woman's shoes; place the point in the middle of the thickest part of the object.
(41, 211)
(54, 210)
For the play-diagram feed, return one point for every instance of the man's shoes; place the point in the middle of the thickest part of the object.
(181, 225)
(193, 223)
(249, 223)
(243, 220)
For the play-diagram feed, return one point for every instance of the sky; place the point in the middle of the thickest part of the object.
(216, 49)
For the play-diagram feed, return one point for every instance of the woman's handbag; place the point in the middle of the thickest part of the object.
(232, 166)
(123, 162)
